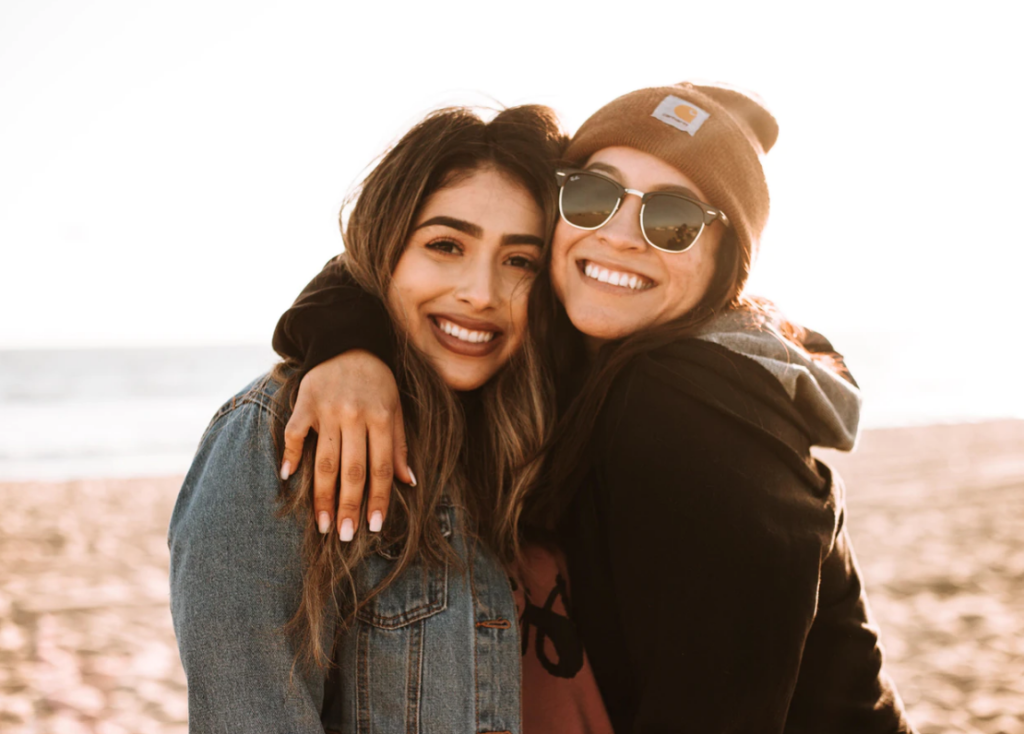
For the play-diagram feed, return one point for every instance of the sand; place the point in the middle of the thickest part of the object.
(936, 515)
(937, 519)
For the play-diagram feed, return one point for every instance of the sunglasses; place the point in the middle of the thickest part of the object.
(671, 222)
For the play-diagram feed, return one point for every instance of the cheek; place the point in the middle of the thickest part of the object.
(402, 293)
(708, 262)
(518, 310)
(691, 277)
(564, 238)
(398, 306)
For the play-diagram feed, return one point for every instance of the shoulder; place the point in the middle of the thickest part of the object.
(676, 428)
(253, 405)
(652, 417)
(726, 406)
(233, 477)
(240, 436)
(686, 389)
(698, 370)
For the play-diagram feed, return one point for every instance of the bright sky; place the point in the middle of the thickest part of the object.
(170, 172)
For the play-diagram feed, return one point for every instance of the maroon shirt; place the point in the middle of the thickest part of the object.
(560, 695)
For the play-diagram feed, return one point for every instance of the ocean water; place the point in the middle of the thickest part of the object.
(138, 412)
(114, 412)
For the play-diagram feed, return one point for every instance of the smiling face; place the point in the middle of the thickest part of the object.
(610, 280)
(460, 288)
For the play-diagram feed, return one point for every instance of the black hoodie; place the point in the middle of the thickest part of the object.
(715, 587)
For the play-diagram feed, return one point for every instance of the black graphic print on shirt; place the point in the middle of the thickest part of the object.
(548, 624)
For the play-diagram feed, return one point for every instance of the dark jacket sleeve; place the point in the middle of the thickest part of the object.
(717, 550)
(333, 315)
(842, 684)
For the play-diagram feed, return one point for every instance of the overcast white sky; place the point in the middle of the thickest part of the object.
(170, 172)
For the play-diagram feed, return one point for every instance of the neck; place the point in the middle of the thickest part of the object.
(593, 345)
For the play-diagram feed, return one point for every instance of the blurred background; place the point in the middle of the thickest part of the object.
(170, 178)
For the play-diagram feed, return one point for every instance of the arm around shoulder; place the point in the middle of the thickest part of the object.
(333, 315)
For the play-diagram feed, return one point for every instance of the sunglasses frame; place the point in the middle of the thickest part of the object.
(710, 213)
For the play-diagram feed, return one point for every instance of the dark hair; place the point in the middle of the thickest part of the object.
(507, 420)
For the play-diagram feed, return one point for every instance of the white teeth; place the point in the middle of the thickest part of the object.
(623, 280)
(459, 332)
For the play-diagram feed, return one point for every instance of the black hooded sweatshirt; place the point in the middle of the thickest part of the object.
(714, 585)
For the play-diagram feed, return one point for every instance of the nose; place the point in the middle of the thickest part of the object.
(623, 230)
(479, 286)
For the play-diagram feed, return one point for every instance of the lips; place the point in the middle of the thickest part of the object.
(622, 281)
(465, 336)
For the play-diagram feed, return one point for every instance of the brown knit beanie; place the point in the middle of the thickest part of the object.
(715, 135)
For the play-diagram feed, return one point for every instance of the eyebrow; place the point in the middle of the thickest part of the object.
(617, 174)
(475, 230)
(679, 190)
(522, 239)
(606, 167)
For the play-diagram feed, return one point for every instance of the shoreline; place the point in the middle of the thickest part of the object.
(936, 514)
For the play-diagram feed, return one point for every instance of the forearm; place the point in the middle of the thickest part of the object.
(333, 315)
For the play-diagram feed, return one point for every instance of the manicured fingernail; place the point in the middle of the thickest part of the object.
(413, 477)
(324, 522)
(286, 471)
(376, 521)
(346, 531)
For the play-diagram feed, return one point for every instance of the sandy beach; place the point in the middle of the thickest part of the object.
(936, 514)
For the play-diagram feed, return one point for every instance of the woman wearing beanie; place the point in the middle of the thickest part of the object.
(713, 580)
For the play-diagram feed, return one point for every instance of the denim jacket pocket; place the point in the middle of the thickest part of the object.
(420, 592)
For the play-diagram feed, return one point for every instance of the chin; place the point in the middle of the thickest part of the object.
(464, 381)
(606, 334)
(602, 325)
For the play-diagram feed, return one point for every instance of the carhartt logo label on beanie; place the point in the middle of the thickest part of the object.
(680, 114)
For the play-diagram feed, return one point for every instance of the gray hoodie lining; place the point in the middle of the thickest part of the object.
(829, 403)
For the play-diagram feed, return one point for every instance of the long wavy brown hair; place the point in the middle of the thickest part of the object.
(477, 452)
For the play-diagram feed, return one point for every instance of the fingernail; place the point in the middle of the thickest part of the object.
(346, 531)
(324, 522)
(376, 521)
(413, 476)
(286, 471)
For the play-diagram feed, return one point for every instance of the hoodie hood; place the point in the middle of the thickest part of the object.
(828, 402)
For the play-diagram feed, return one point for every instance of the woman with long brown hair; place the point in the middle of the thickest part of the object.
(715, 586)
(410, 627)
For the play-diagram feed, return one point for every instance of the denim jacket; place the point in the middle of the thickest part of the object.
(435, 652)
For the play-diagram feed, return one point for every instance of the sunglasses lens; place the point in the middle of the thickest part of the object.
(672, 223)
(588, 201)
